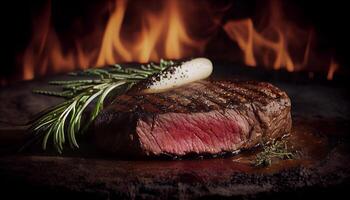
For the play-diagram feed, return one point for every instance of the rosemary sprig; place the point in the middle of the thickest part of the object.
(63, 122)
(275, 149)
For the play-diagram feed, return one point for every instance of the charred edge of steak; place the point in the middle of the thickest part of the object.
(117, 129)
(264, 108)
(202, 96)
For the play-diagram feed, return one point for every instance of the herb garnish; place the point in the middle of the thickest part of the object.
(63, 122)
(275, 149)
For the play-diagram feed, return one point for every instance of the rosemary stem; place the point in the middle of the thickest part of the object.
(63, 121)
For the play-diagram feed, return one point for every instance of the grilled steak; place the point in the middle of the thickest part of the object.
(205, 117)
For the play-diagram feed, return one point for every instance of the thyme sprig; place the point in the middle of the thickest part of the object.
(275, 149)
(64, 121)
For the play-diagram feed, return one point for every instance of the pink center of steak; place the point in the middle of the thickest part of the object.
(200, 118)
(180, 133)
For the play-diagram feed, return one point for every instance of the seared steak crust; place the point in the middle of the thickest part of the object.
(204, 117)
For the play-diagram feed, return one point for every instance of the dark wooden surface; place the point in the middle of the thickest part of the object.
(320, 130)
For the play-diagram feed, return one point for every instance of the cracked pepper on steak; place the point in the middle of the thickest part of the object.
(203, 117)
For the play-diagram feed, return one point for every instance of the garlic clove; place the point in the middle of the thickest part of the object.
(179, 75)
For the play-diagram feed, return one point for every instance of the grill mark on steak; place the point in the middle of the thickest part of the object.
(163, 104)
(246, 93)
(208, 95)
(274, 90)
(200, 97)
(217, 101)
(264, 90)
(145, 105)
(176, 101)
(250, 95)
(132, 102)
(215, 95)
(233, 98)
(195, 104)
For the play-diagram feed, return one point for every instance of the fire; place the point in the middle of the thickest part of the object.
(36, 46)
(279, 44)
(111, 42)
(333, 67)
(45, 53)
(253, 44)
(177, 38)
(167, 32)
(161, 35)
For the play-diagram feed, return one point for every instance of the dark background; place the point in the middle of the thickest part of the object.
(329, 19)
(323, 108)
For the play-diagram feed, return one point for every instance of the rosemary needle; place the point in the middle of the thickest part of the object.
(276, 149)
(62, 123)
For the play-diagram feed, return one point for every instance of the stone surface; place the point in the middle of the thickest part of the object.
(321, 122)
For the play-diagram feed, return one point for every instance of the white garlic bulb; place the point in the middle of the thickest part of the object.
(179, 75)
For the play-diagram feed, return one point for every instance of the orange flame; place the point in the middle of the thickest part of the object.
(151, 30)
(279, 44)
(45, 53)
(36, 46)
(111, 43)
(177, 38)
(161, 35)
(254, 44)
(165, 34)
(333, 67)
